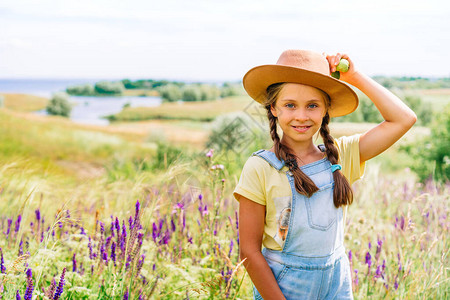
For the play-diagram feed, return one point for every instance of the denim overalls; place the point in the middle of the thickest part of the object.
(313, 263)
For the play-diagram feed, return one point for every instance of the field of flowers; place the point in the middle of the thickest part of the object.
(178, 241)
(136, 230)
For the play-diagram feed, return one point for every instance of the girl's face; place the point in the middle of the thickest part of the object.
(300, 110)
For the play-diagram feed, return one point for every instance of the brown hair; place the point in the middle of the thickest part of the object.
(342, 194)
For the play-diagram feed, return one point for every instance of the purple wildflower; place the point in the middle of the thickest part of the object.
(125, 296)
(378, 272)
(20, 248)
(138, 208)
(368, 259)
(124, 230)
(155, 232)
(102, 228)
(90, 248)
(113, 252)
(377, 254)
(19, 218)
(231, 248)
(140, 264)
(130, 223)
(350, 256)
(29, 290)
(356, 276)
(112, 226)
(117, 227)
(18, 295)
(402, 223)
(2, 263)
(60, 288)
(8, 230)
(74, 263)
(173, 224)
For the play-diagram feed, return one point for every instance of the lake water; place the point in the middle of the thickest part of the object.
(86, 110)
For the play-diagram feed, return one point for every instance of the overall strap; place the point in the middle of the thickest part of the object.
(270, 157)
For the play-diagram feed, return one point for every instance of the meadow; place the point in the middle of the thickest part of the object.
(136, 211)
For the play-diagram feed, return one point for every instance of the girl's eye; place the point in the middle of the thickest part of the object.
(312, 105)
(287, 105)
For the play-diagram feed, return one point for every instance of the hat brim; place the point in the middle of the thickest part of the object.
(343, 99)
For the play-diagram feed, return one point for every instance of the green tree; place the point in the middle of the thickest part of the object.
(231, 89)
(191, 93)
(170, 92)
(59, 105)
(423, 110)
(109, 88)
(81, 90)
(209, 92)
(431, 153)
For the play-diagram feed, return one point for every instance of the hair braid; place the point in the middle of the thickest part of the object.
(303, 184)
(343, 194)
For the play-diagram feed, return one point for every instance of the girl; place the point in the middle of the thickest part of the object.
(293, 197)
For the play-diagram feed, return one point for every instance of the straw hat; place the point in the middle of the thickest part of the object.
(305, 67)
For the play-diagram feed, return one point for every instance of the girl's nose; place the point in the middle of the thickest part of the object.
(302, 115)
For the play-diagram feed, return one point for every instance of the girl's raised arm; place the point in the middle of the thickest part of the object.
(251, 230)
(398, 117)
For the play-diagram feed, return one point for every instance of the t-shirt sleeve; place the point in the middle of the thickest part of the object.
(252, 181)
(348, 147)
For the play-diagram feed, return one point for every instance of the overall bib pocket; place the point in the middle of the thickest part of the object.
(322, 213)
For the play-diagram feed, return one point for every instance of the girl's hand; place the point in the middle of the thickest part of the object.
(333, 61)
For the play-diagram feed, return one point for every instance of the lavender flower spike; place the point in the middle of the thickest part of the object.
(125, 296)
(74, 263)
(18, 295)
(2, 263)
(19, 218)
(29, 290)
(60, 288)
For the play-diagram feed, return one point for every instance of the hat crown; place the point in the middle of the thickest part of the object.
(305, 59)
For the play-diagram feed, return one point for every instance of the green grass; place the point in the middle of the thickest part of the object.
(24, 102)
(42, 165)
(437, 98)
(59, 146)
(192, 111)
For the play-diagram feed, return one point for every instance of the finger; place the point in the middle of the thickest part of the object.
(337, 59)
(344, 55)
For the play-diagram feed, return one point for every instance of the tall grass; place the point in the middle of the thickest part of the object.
(181, 241)
(396, 233)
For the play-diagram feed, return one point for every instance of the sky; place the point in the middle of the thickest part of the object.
(211, 40)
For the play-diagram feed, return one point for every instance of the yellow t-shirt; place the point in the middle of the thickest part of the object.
(260, 181)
